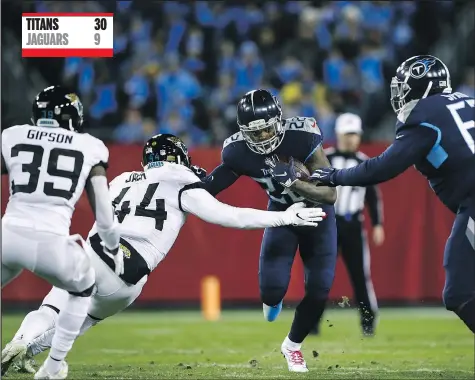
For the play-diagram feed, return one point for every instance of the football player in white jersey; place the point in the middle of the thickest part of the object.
(48, 165)
(151, 206)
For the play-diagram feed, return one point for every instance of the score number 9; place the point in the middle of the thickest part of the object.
(100, 24)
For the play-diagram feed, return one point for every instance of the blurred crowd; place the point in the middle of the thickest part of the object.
(180, 67)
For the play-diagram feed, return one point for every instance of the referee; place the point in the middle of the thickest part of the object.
(349, 217)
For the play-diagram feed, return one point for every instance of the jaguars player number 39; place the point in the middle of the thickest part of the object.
(49, 164)
(264, 138)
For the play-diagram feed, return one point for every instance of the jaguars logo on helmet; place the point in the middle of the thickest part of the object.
(56, 106)
(165, 148)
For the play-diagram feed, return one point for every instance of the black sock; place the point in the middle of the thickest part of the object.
(467, 314)
(307, 315)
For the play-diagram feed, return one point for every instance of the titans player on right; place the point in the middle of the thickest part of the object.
(435, 133)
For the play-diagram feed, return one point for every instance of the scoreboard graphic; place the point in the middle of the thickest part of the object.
(67, 35)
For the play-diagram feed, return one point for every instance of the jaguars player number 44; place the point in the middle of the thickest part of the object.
(435, 132)
(254, 151)
(151, 206)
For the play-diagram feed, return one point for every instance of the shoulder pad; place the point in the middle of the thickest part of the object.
(99, 151)
(232, 139)
(176, 173)
(304, 124)
(120, 179)
(14, 127)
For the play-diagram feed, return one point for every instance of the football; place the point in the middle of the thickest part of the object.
(302, 172)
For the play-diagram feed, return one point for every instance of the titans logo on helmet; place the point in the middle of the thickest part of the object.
(420, 68)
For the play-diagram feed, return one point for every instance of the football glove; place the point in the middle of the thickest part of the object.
(117, 255)
(200, 172)
(282, 172)
(324, 176)
(298, 215)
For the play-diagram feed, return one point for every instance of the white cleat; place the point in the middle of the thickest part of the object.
(44, 374)
(15, 351)
(295, 360)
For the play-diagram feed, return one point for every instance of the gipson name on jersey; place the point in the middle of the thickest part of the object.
(49, 136)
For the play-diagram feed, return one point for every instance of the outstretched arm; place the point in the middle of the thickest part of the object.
(199, 202)
(411, 145)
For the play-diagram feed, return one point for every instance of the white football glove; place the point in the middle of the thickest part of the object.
(118, 256)
(299, 215)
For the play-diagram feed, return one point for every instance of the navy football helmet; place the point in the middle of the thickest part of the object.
(417, 78)
(56, 106)
(165, 147)
(259, 117)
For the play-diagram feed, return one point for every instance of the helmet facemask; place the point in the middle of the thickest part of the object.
(263, 137)
(399, 91)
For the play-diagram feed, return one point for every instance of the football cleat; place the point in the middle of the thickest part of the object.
(44, 374)
(295, 360)
(13, 352)
(271, 312)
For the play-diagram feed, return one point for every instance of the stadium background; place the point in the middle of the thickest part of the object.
(180, 68)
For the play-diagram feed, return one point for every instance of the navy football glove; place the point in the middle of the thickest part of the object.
(200, 172)
(282, 172)
(324, 176)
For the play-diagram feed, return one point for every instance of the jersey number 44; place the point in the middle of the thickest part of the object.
(158, 213)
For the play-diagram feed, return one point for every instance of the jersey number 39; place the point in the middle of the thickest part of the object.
(33, 169)
(159, 213)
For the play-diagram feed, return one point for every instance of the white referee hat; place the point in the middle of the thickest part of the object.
(348, 123)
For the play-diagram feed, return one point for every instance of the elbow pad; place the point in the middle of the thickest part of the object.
(106, 222)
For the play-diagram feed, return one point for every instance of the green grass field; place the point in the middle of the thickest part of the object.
(420, 343)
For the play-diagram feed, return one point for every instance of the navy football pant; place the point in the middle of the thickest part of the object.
(459, 264)
(318, 250)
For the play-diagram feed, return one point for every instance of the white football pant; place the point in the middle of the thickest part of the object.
(111, 295)
(58, 259)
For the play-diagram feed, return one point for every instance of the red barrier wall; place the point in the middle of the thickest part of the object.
(407, 267)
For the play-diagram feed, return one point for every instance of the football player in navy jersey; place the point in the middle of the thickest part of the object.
(264, 150)
(435, 132)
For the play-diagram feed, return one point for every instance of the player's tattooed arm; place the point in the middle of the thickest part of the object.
(4, 166)
(321, 194)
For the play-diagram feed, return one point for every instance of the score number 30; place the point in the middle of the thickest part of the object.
(100, 24)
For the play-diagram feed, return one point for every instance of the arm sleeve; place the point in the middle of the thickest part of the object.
(219, 179)
(105, 218)
(375, 204)
(410, 147)
(199, 202)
